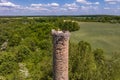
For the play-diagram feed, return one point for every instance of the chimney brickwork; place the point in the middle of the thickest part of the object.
(60, 54)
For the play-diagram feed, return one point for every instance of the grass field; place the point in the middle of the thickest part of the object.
(100, 35)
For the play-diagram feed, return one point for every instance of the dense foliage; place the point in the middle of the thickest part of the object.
(26, 52)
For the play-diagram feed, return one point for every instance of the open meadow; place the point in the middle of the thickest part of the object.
(100, 35)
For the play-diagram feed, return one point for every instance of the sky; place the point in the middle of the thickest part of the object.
(59, 7)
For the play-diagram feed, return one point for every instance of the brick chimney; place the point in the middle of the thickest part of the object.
(60, 54)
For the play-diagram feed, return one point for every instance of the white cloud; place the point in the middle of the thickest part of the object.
(45, 5)
(106, 8)
(96, 3)
(84, 8)
(72, 6)
(36, 8)
(54, 7)
(8, 4)
(36, 5)
(3, 1)
(54, 4)
(89, 7)
(112, 1)
(87, 2)
(63, 9)
(81, 1)
(78, 7)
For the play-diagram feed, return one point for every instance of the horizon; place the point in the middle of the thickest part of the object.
(58, 8)
(57, 15)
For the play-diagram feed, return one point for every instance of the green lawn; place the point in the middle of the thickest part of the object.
(100, 35)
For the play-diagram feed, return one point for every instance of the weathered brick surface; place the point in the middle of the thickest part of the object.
(60, 55)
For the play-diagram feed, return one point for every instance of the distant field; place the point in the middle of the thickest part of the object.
(100, 35)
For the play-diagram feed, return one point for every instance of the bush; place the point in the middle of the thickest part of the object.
(68, 25)
(22, 52)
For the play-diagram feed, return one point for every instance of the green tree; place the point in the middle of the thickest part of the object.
(84, 66)
(22, 52)
(68, 25)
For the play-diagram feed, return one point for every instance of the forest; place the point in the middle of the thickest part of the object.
(26, 49)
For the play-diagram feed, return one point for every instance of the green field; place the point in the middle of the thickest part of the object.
(100, 35)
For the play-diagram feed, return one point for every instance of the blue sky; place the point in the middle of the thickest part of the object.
(59, 7)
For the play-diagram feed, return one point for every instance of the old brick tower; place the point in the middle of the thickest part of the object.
(60, 54)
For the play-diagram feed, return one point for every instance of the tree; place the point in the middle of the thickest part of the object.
(68, 25)
(22, 52)
(84, 66)
(8, 63)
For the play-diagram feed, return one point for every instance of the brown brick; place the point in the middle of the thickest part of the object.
(60, 54)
